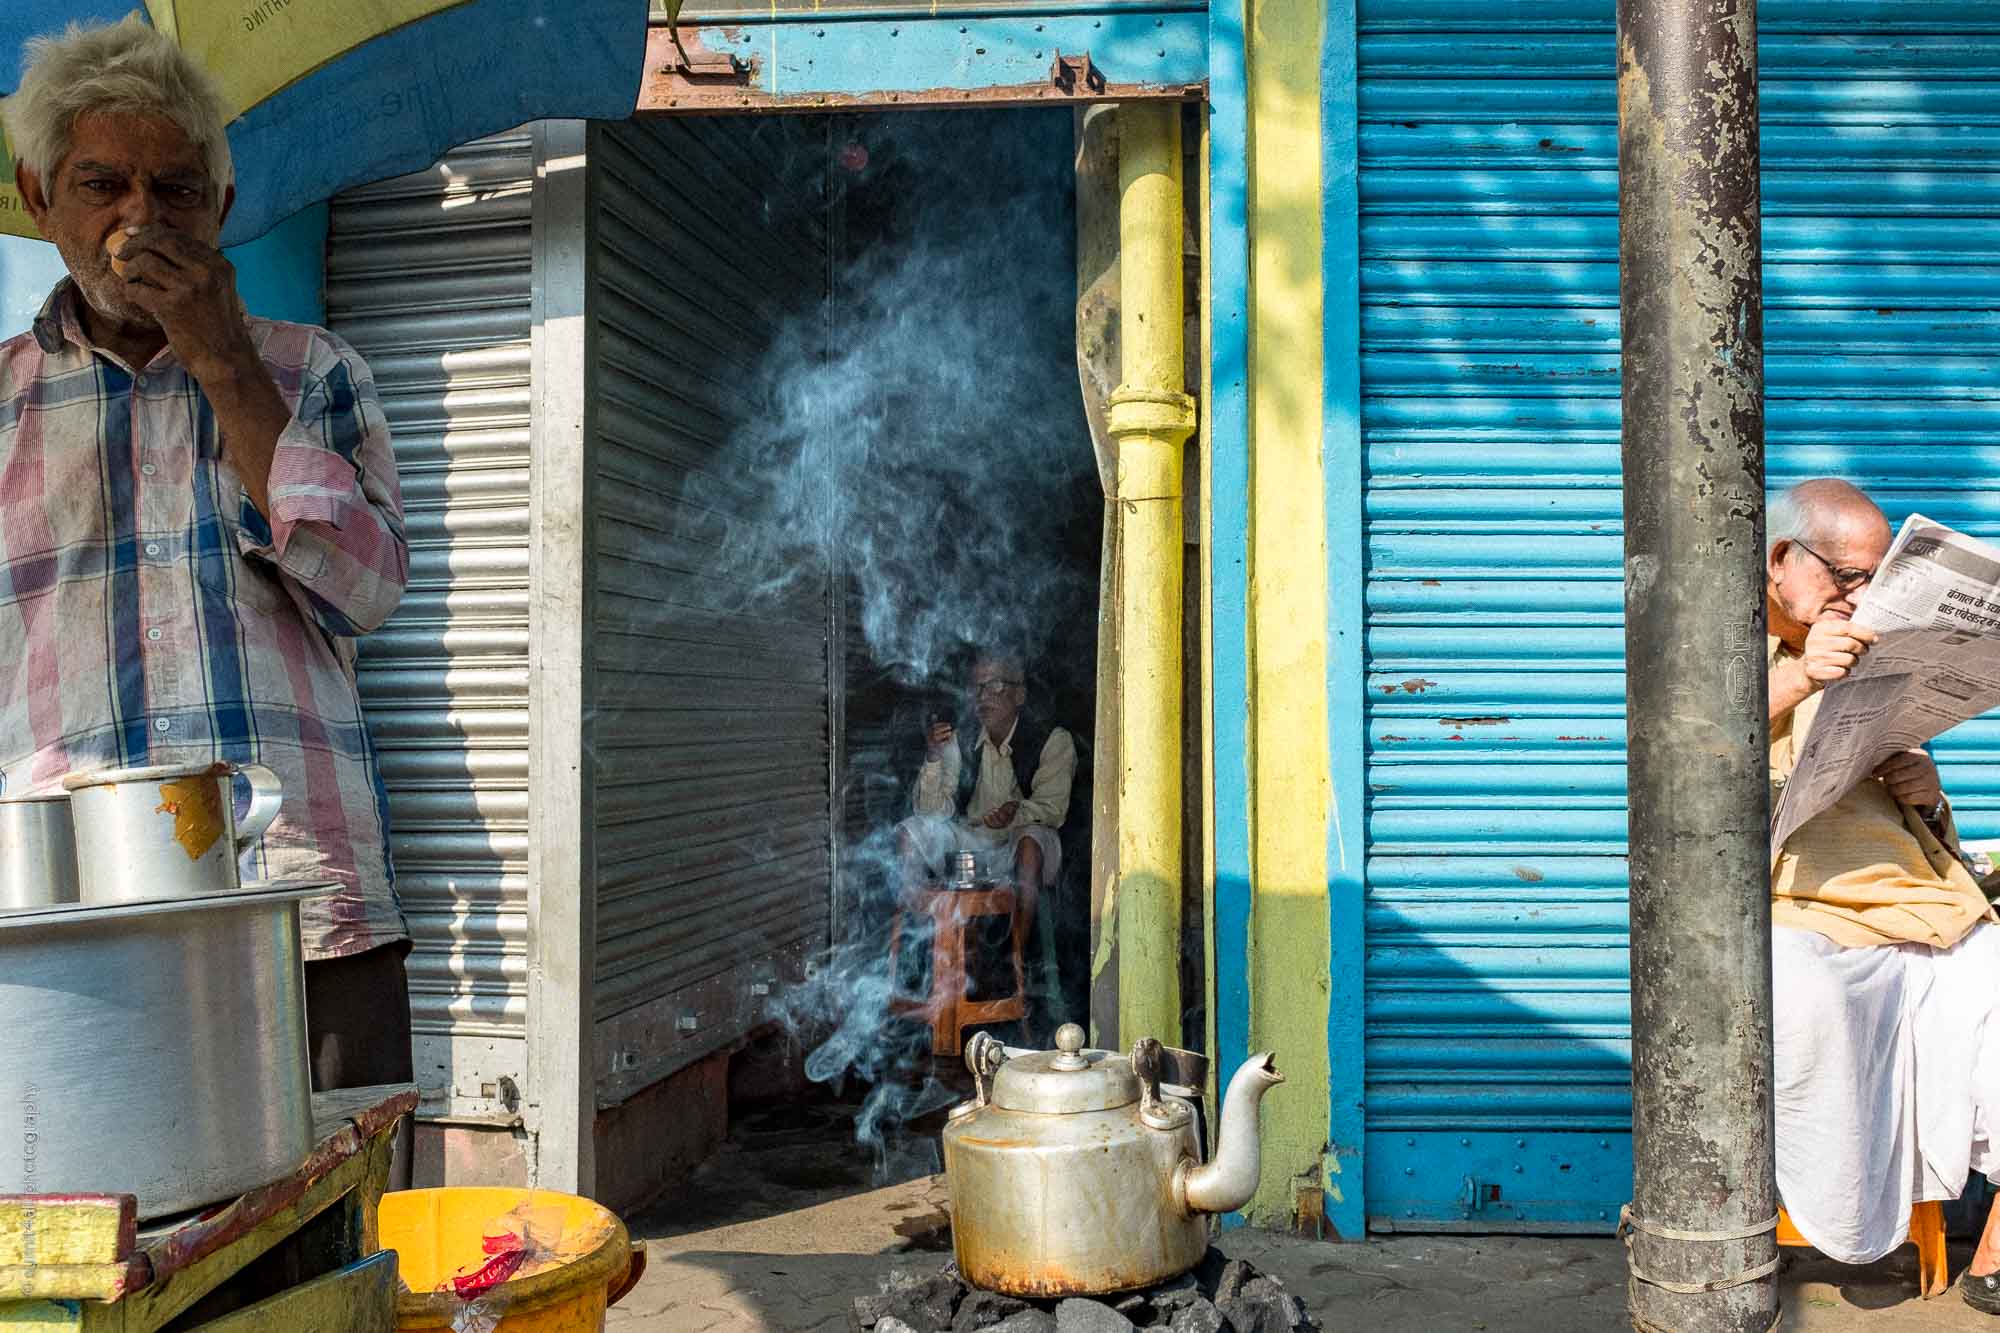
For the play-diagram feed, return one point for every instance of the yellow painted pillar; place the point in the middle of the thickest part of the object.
(1150, 418)
(1291, 779)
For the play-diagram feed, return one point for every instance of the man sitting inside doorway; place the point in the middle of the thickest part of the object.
(1885, 964)
(1001, 794)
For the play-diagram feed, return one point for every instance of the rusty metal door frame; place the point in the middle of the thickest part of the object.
(876, 59)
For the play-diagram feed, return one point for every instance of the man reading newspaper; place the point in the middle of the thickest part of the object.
(1885, 955)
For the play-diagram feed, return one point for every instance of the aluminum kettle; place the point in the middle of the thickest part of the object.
(1072, 1173)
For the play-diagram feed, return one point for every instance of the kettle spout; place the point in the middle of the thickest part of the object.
(1230, 1176)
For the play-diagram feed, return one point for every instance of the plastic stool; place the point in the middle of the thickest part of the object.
(1926, 1233)
(946, 1009)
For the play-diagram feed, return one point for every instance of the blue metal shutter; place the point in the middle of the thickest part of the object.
(1497, 1078)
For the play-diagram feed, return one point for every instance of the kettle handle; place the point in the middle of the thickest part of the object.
(1154, 1109)
(984, 1055)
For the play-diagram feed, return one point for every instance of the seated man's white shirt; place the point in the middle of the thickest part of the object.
(1040, 813)
(1887, 1082)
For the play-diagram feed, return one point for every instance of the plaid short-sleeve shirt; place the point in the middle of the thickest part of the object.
(150, 614)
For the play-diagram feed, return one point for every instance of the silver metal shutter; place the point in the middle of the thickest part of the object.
(428, 276)
(1497, 1017)
(712, 804)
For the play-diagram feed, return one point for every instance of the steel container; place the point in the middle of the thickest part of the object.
(1075, 1204)
(37, 852)
(155, 1049)
(165, 831)
(1075, 1173)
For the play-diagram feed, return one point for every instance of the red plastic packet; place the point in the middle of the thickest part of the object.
(508, 1252)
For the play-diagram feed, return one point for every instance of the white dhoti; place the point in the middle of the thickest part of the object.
(936, 837)
(1887, 1083)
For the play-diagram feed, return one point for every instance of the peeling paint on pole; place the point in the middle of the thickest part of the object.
(1693, 450)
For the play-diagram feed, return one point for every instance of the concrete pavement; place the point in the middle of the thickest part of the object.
(787, 1225)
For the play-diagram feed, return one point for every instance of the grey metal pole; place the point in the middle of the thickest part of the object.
(1691, 307)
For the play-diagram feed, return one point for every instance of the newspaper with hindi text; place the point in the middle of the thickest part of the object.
(1935, 602)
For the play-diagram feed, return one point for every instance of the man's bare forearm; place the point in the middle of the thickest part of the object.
(1789, 686)
(250, 415)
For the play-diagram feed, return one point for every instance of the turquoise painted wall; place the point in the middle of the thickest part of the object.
(280, 274)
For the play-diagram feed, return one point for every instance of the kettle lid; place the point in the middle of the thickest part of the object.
(1066, 1081)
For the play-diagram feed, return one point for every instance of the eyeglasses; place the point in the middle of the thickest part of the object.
(988, 689)
(1846, 578)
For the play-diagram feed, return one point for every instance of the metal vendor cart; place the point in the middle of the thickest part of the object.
(300, 1252)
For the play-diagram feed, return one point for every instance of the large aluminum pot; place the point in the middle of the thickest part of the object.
(37, 852)
(155, 1049)
(166, 831)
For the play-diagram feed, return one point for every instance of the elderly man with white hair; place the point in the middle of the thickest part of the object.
(1001, 793)
(1885, 961)
(198, 514)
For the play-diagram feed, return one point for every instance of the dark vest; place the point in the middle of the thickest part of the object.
(1030, 735)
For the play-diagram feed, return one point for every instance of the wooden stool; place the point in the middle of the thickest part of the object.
(1926, 1233)
(946, 1009)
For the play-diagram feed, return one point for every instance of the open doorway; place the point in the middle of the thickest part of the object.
(957, 231)
(790, 404)
(837, 390)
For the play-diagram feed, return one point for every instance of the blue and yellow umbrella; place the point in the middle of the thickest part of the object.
(331, 93)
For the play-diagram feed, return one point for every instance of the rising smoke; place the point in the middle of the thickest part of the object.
(924, 438)
(925, 431)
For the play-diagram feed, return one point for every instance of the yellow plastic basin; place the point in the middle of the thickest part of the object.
(438, 1234)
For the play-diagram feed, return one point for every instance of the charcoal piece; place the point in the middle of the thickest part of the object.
(1230, 1282)
(924, 1301)
(983, 1309)
(940, 1301)
(1137, 1307)
(902, 1279)
(1241, 1316)
(1247, 1316)
(1077, 1315)
(1269, 1292)
(1028, 1321)
(1197, 1316)
(1264, 1290)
